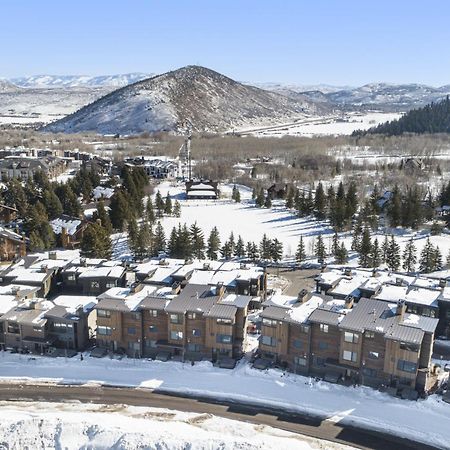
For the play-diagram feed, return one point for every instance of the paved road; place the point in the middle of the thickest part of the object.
(295, 423)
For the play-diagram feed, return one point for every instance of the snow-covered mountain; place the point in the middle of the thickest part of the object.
(58, 81)
(399, 97)
(209, 100)
(7, 86)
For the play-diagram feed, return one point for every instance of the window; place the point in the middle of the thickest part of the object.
(225, 321)
(103, 313)
(57, 327)
(369, 334)
(374, 355)
(320, 361)
(406, 366)
(323, 345)
(297, 343)
(95, 285)
(409, 347)
(223, 339)
(192, 315)
(39, 329)
(369, 372)
(300, 360)
(131, 330)
(110, 284)
(269, 323)
(150, 343)
(13, 328)
(351, 337)
(104, 331)
(176, 335)
(135, 316)
(153, 313)
(304, 328)
(350, 356)
(323, 328)
(175, 318)
(152, 328)
(196, 332)
(133, 346)
(71, 277)
(269, 340)
(193, 347)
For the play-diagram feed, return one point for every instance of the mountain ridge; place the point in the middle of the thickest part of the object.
(209, 100)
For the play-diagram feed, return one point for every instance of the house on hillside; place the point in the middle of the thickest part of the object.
(277, 191)
(12, 245)
(7, 213)
(202, 189)
(69, 230)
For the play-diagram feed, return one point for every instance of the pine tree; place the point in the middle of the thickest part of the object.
(393, 255)
(351, 201)
(300, 254)
(133, 237)
(173, 244)
(95, 242)
(437, 259)
(149, 211)
(236, 195)
(232, 242)
(101, 215)
(168, 205)
(394, 210)
(213, 244)
(259, 201)
(357, 233)
(276, 250)
(375, 254)
(69, 201)
(384, 249)
(177, 209)
(427, 257)
(52, 204)
(320, 202)
(36, 244)
(365, 248)
(120, 213)
(264, 248)
(198, 241)
(319, 249)
(268, 201)
(239, 249)
(248, 250)
(144, 247)
(342, 254)
(335, 244)
(409, 256)
(226, 250)
(159, 239)
(254, 193)
(159, 204)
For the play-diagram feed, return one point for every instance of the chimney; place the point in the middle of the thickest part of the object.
(398, 281)
(401, 309)
(220, 289)
(206, 266)
(349, 301)
(83, 262)
(303, 296)
(52, 255)
(176, 288)
(442, 283)
(15, 290)
(348, 272)
(44, 268)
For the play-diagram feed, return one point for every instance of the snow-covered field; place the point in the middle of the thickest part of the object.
(424, 420)
(343, 124)
(277, 222)
(70, 426)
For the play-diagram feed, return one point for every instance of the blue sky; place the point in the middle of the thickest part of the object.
(343, 42)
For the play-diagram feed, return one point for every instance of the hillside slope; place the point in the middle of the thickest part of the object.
(208, 99)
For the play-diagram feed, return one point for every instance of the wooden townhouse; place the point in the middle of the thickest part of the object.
(371, 342)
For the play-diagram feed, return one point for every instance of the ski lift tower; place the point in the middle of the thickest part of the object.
(185, 152)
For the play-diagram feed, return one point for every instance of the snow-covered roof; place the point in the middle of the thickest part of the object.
(70, 225)
(103, 272)
(102, 192)
(425, 297)
(299, 313)
(73, 302)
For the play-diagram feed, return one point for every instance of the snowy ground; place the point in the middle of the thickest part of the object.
(424, 420)
(343, 124)
(70, 426)
(277, 222)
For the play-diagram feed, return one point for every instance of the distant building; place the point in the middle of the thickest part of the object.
(277, 191)
(25, 167)
(202, 189)
(12, 245)
(69, 230)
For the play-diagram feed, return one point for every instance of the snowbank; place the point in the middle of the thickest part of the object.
(424, 420)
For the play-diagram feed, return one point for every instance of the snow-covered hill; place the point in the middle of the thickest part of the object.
(51, 81)
(208, 99)
(7, 86)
